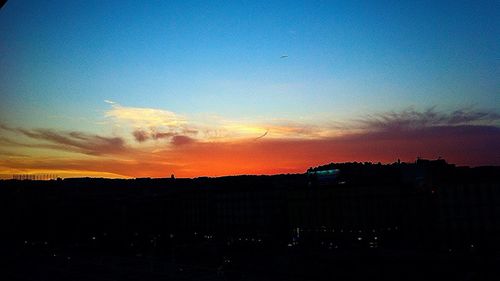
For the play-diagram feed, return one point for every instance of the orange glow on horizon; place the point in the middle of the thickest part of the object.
(95, 156)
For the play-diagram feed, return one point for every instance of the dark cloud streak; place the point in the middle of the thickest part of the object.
(141, 135)
(69, 141)
(181, 140)
(411, 119)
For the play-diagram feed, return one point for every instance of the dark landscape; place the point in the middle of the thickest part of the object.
(427, 220)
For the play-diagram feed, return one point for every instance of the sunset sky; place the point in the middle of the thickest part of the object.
(210, 88)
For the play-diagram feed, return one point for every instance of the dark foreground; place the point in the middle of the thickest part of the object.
(422, 221)
(285, 265)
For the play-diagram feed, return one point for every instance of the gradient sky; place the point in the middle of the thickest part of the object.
(129, 89)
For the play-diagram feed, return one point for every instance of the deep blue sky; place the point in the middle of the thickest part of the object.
(221, 57)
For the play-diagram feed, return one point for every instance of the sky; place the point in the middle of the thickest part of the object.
(211, 88)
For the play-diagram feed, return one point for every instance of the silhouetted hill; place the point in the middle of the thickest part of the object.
(387, 220)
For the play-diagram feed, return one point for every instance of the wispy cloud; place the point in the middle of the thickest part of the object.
(181, 140)
(145, 117)
(464, 136)
(81, 142)
(281, 129)
(412, 119)
(155, 124)
(142, 135)
(161, 135)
